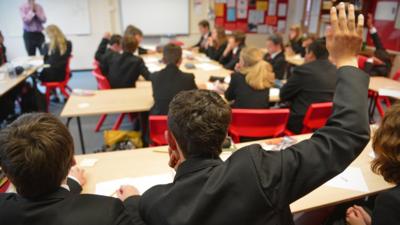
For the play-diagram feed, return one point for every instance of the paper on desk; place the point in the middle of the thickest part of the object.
(352, 179)
(88, 162)
(187, 53)
(202, 58)
(153, 67)
(151, 59)
(36, 62)
(141, 183)
(207, 66)
(225, 155)
(274, 92)
(389, 92)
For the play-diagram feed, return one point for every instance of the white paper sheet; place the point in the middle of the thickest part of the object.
(202, 58)
(151, 59)
(282, 9)
(274, 92)
(272, 7)
(207, 66)
(88, 162)
(352, 179)
(153, 67)
(389, 92)
(242, 9)
(256, 16)
(386, 10)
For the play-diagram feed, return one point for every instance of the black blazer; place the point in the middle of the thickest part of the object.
(255, 186)
(387, 207)
(278, 64)
(244, 96)
(3, 54)
(104, 56)
(229, 61)
(142, 51)
(378, 70)
(311, 83)
(216, 53)
(201, 49)
(166, 84)
(297, 46)
(57, 62)
(125, 69)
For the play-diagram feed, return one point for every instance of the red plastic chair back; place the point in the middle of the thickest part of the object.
(361, 61)
(316, 116)
(158, 125)
(96, 67)
(102, 82)
(397, 76)
(5, 186)
(178, 43)
(258, 123)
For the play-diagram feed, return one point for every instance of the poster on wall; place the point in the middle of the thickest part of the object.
(397, 23)
(231, 15)
(242, 9)
(272, 7)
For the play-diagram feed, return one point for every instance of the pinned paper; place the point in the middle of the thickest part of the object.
(88, 162)
(272, 8)
(219, 9)
(351, 179)
(271, 20)
(242, 9)
(231, 14)
(256, 17)
(281, 26)
(386, 10)
(262, 5)
(282, 9)
(231, 3)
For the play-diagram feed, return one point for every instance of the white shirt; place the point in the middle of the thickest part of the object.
(273, 55)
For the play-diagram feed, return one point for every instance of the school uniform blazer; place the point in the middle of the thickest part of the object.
(57, 62)
(297, 46)
(229, 61)
(278, 64)
(378, 70)
(310, 83)
(104, 56)
(3, 54)
(244, 96)
(167, 83)
(255, 186)
(387, 207)
(216, 53)
(201, 49)
(125, 69)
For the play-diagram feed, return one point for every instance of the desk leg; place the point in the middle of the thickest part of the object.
(78, 120)
(372, 109)
(68, 121)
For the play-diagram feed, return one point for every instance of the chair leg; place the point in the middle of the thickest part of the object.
(64, 92)
(100, 123)
(119, 121)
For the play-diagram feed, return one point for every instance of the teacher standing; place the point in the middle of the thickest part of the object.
(33, 18)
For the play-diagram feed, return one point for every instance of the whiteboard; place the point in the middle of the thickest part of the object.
(72, 16)
(156, 17)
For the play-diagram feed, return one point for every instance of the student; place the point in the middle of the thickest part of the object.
(216, 44)
(312, 82)
(275, 55)
(310, 38)
(36, 154)
(3, 50)
(386, 144)
(296, 40)
(380, 64)
(249, 86)
(56, 54)
(109, 44)
(125, 68)
(255, 186)
(138, 34)
(204, 28)
(231, 55)
(169, 81)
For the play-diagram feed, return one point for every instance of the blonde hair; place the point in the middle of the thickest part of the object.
(57, 39)
(259, 74)
(297, 29)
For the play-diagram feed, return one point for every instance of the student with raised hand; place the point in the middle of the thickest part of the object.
(36, 154)
(386, 144)
(230, 57)
(109, 44)
(296, 40)
(169, 81)
(276, 56)
(254, 186)
(250, 84)
(138, 34)
(56, 54)
(216, 44)
(312, 82)
(125, 68)
(204, 28)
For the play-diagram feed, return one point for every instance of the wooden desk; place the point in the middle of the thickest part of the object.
(147, 162)
(375, 84)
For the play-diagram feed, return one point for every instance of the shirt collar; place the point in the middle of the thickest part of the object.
(273, 55)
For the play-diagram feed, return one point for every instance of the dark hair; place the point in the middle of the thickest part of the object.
(318, 48)
(204, 23)
(133, 30)
(116, 39)
(386, 144)
(276, 39)
(129, 43)
(239, 37)
(172, 54)
(36, 154)
(199, 120)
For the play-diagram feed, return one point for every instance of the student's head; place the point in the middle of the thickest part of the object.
(172, 54)
(197, 121)
(36, 154)
(116, 42)
(57, 39)
(218, 35)
(308, 40)
(1, 38)
(129, 44)
(238, 38)
(204, 27)
(259, 74)
(134, 31)
(295, 32)
(316, 50)
(274, 43)
(386, 144)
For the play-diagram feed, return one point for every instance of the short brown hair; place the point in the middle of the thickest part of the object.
(129, 43)
(199, 121)
(116, 39)
(204, 23)
(172, 54)
(36, 154)
(386, 144)
(239, 37)
(133, 30)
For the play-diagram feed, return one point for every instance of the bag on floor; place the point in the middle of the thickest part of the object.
(115, 140)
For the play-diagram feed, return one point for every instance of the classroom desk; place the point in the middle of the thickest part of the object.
(150, 161)
(376, 84)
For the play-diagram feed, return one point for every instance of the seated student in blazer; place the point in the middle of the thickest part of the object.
(387, 163)
(276, 56)
(3, 50)
(254, 186)
(109, 44)
(36, 154)
(312, 82)
(230, 57)
(216, 44)
(56, 54)
(250, 84)
(125, 68)
(138, 34)
(169, 81)
(296, 40)
(204, 28)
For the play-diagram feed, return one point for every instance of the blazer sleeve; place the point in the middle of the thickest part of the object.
(377, 41)
(74, 186)
(193, 85)
(386, 209)
(132, 206)
(291, 88)
(143, 70)
(124, 214)
(230, 92)
(225, 59)
(303, 167)
(280, 67)
(101, 50)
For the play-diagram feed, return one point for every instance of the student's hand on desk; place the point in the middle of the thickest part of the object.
(356, 215)
(344, 39)
(79, 174)
(127, 191)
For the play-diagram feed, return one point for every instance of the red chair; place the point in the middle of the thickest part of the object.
(258, 123)
(178, 43)
(96, 67)
(361, 61)
(397, 76)
(5, 186)
(62, 85)
(316, 116)
(158, 126)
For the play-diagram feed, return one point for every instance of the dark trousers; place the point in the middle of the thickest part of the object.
(33, 41)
